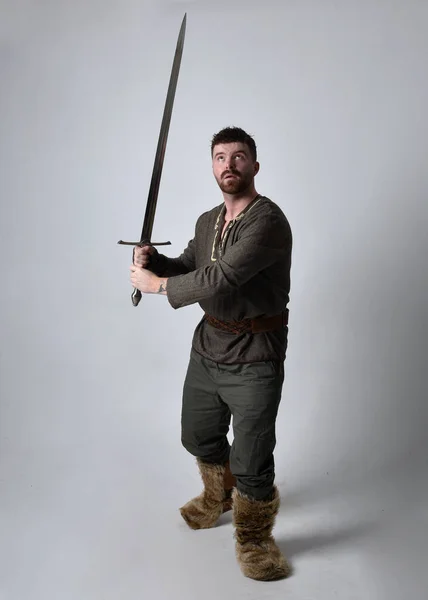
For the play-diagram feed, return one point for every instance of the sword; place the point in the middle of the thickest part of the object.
(149, 216)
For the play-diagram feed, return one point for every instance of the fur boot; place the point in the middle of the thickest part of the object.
(258, 555)
(203, 511)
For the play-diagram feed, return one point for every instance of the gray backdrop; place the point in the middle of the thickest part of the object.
(92, 469)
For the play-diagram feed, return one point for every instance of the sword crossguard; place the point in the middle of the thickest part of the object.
(144, 243)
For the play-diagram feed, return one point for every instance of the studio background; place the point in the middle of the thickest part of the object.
(92, 471)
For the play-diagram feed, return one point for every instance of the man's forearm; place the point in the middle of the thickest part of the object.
(163, 266)
(161, 285)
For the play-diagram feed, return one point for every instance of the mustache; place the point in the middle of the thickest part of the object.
(226, 173)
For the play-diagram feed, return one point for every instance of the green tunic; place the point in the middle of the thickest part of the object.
(246, 274)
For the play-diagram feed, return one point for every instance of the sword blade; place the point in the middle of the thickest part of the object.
(149, 216)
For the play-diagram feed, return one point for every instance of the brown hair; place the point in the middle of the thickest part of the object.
(234, 134)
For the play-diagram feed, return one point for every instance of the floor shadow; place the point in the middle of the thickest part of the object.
(406, 476)
(300, 545)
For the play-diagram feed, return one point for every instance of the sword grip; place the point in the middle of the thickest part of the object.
(136, 294)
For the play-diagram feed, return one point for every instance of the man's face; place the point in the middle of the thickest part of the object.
(233, 167)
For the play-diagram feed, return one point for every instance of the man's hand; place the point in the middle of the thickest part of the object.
(142, 255)
(147, 282)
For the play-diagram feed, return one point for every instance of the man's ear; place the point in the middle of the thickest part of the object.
(256, 167)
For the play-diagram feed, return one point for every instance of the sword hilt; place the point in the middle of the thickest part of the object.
(136, 294)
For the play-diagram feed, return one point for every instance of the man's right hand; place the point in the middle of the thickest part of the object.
(142, 255)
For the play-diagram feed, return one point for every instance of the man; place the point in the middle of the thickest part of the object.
(237, 267)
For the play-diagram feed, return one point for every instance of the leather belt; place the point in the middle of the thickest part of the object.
(257, 325)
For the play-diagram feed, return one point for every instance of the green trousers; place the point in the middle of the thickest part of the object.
(249, 394)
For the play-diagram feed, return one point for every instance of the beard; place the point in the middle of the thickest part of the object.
(237, 184)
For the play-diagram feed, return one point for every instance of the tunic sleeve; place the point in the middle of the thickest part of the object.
(163, 266)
